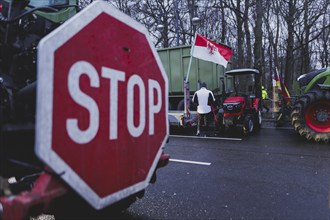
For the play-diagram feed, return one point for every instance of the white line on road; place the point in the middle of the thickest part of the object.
(278, 128)
(191, 162)
(214, 138)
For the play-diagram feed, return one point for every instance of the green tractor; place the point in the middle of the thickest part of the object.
(310, 114)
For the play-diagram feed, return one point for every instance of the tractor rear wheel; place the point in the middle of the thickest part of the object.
(310, 116)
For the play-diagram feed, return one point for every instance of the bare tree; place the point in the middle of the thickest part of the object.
(292, 35)
(223, 22)
(258, 36)
(324, 42)
(248, 60)
(239, 25)
(289, 11)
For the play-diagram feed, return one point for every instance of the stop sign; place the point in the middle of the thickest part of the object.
(101, 104)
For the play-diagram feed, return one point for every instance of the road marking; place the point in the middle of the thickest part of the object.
(214, 138)
(191, 162)
(278, 128)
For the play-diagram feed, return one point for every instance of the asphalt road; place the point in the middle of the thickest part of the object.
(273, 174)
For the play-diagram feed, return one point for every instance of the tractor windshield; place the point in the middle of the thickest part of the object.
(244, 84)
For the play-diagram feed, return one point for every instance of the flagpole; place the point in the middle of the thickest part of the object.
(275, 93)
(189, 66)
(190, 61)
(186, 79)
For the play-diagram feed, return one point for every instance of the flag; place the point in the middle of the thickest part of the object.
(284, 90)
(277, 79)
(208, 50)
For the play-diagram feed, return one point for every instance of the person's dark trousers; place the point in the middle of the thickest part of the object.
(204, 121)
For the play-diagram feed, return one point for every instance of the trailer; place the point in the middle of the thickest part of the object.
(176, 63)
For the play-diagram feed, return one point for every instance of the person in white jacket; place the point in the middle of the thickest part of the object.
(204, 99)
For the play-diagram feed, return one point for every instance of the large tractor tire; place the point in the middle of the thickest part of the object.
(310, 116)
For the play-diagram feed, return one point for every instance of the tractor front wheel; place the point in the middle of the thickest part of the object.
(248, 126)
(258, 119)
(310, 116)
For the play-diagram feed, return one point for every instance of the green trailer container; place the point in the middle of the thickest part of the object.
(176, 62)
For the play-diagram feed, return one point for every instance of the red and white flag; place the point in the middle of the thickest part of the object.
(208, 50)
(280, 84)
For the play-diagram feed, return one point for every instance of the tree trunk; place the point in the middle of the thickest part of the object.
(290, 43)
(275, 45)
(223, 23)
(305, 48)
(325, 58)
(240, 51)
(258, 36)
(248, 35)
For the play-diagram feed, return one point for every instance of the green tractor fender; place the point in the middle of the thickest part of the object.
(312, 80)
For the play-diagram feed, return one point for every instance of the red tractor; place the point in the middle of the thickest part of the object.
(243, 107)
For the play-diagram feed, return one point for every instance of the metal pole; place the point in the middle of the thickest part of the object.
(177, 22)
(191, 53)
(187, 77)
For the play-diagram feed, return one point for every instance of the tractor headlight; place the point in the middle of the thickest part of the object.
(238, 106)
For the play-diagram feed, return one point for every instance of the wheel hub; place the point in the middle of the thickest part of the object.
(322, 115)
(317, 116)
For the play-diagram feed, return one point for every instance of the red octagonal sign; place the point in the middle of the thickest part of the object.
(101, 104)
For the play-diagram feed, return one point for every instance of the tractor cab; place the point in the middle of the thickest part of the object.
(243, 106)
